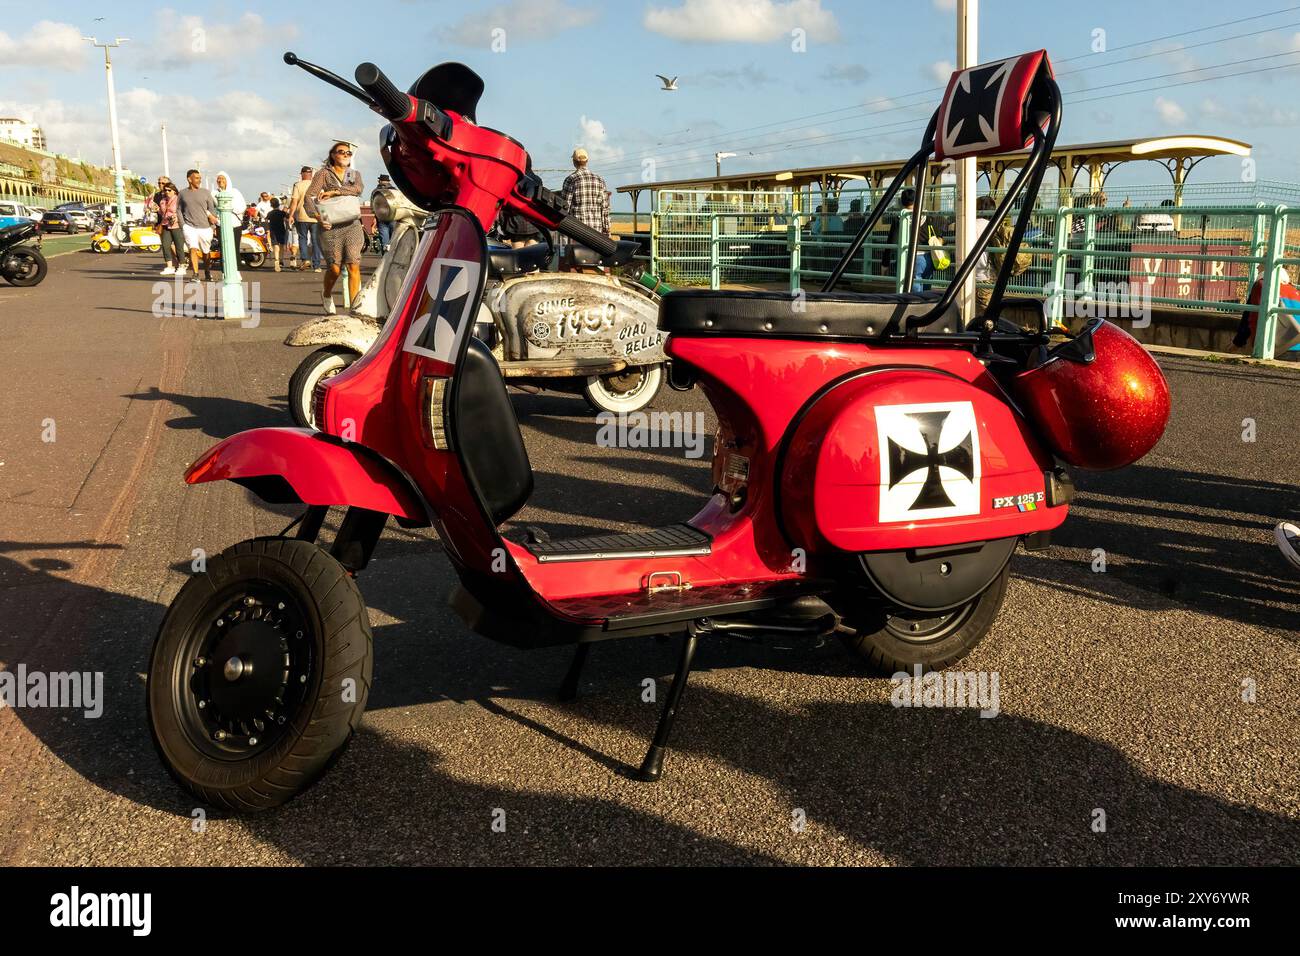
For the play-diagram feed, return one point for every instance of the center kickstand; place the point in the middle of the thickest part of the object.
(569, 686)
(652, 766)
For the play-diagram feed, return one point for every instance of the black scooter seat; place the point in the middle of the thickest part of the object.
(817, 315)
(627, 248)
(504, 263)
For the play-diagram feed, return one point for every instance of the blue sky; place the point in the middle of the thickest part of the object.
(579, 72)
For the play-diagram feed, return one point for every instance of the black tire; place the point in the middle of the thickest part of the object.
(297, 588)
(31, 263)
(890, 639)
(254, 260)
(315, 368)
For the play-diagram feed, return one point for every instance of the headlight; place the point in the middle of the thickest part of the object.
(381, 207)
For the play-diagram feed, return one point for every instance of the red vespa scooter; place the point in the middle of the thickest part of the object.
(872, 476)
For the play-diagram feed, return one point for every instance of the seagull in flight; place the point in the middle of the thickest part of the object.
(670, 86)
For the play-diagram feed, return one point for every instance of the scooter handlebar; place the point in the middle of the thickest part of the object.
(391, 102)
(579, 231)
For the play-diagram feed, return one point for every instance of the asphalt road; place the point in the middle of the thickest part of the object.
(1120, 691)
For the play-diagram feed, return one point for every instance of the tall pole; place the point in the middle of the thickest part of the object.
(967, 56)
(167, 169)
(118, 185)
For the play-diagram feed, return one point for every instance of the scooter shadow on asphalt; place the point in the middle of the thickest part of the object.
(1240, 580)
(1005, 790)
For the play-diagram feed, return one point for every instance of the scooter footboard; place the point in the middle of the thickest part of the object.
(287, 465)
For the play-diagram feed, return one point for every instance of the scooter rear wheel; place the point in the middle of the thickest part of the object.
(891, 639)
(624, 392)
(260, 673)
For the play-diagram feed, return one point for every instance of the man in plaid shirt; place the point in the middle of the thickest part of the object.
(587, 195)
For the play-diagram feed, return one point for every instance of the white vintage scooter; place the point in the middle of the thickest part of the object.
(584, 332)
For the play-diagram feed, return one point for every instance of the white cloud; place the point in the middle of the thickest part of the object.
(851, 73)
(742, 21)
(261, 141)
(941, 70)
(948, 6)
(1254, 112)
(49, 45)
(1170, 111)
(521, 20)
(745, 77)
(182, 41)
(595, 140)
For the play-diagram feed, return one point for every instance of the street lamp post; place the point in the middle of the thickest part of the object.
(167, 169)
(232, 286)
(717, 160)
(118, 185)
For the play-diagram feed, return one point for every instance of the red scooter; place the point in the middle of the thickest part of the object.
(877, 462)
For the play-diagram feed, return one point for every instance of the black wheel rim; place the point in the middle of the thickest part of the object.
(927, 627)
(245, 671)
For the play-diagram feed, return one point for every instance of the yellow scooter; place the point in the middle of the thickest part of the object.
(131, 235)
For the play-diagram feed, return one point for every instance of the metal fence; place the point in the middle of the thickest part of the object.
(1125, 259)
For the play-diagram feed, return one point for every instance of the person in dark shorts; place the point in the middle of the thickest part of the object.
(277, 224)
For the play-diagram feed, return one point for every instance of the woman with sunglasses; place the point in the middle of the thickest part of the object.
(341, 242)
(170, 231)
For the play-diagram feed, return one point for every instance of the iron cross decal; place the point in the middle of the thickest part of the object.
(450, 295)
(930, 461)
(972, 116)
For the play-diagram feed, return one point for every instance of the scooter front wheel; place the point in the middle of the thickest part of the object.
(260, 673)
(315, 368)
(624, 392)
(891, 639)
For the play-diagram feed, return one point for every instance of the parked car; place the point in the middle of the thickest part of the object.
(57, 221)
(12, 213)
(83, 218)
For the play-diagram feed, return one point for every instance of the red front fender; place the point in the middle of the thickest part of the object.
(284, 465)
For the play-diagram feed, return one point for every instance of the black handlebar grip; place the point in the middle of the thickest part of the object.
(579, 231)
(392, 102)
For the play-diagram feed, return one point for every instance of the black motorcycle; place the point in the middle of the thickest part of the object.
(20, 264)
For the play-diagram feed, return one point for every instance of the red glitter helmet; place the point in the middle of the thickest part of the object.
(1099, 400)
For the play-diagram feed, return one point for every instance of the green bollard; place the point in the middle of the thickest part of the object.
(232, 285)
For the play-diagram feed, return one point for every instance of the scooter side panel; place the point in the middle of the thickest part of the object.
(912, 459)
(553, 315)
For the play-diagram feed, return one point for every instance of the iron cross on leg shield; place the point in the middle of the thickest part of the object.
(929, 461)
(450, 294)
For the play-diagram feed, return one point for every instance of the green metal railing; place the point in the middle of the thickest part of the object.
(1124, 260)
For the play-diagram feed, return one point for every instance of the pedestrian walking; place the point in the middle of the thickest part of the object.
(198, 216)
(342, 238)
(236, 215)
(170, 231)
(304, 223)
(383, 227)
(277, 226)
